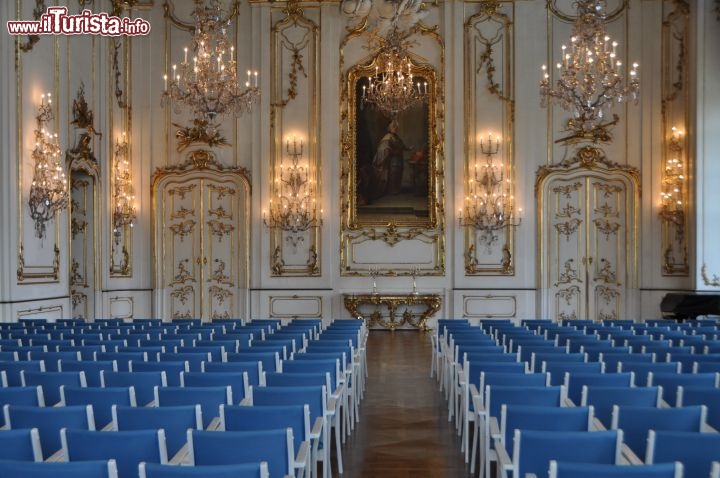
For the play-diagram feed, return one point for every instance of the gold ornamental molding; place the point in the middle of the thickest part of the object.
(559, 13)
(713, 281)
(200, 160)
(587, 157)
(395, 318)
(34, 273)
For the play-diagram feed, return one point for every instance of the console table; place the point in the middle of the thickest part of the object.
(418, 308)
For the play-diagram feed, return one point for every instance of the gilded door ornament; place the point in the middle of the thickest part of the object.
(608, 294)
(183, 228)
(294, 22)
(219, 294)
(569, 274)
(565, 316)
(224, 315)
(607, 189)
(76, 277)
(568, 211)
(219, 275)
(277, 261)
(606, 273)
(606, 227)
(220, 229)
(77, 226)
(183, 274)
(177, 315)
(607, 210)
(38, 12)
(182, 213)
(182, 191)
(568, 293)
(182, 294)
(567, 190)
(312, 262)
(568, 228)
(713, 281)
(390, 235)
(220, 212)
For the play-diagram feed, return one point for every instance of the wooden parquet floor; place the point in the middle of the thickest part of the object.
(404, 430)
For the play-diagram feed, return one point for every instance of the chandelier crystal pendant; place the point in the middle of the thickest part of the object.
(49, 189)
(489, 205)
(393, 88)
(590, 80)
(124, 212)
(294, 208)
(207, 82)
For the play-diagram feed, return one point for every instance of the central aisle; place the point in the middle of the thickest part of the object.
(403, 430)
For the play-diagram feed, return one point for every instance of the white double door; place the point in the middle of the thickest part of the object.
(588, 239)
(202, 245)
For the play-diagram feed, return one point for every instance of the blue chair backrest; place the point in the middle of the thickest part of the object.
(253, 369)
(172, 370)
(52, 381)
(92, 369)
(238, 382)
(277, 379)
(523, 417)
(143, 383)
(497, 395)
(671, 381)
(25, 396)
(331, 366)
(604, 398)
(708, 396)
(539, 357)
(123, 359)
(80, 469)
(270, 360)
(613, 359)
(127, 448)
(49, 421)
(696, 451)
(314, 396)
(637, 421)
(643, 370)
(209, 399)
(574, 382)
(243, 470)
(568, 469)
(52, 359)
(193, 359)
(272, 446)
(101, 399)
(174, 420)
(557, 370)
(13, 369)
(20, 445)
(533, 450)
(242, 418)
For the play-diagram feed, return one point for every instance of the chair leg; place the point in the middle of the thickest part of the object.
(338, 446)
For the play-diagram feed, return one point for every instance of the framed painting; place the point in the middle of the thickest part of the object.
(393, 156)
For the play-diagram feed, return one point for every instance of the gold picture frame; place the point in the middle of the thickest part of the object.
(403, 193)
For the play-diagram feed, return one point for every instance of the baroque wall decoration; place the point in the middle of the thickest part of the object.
(676, 162)
(294, 209)
(488, 214)
(392, 174)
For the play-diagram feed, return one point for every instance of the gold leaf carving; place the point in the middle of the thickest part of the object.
(712, 282)
(183, 293)
(183, 228)
(606, 227)
(220, 229)
(568, 228)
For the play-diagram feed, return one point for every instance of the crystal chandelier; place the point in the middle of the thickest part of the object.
(489, 205)
(294, 209)
(673, 183)
(393, 89)
(124, 212)
(207, 83)
(49, 189)
(590, 79)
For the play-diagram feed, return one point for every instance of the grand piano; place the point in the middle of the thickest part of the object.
(689, 305)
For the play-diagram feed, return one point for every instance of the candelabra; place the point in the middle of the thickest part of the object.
(489, 205)
(393, 89)
(49, 189)
(673, 183)
(208, 85)
(590, 81)
(124, 212)
(294, 209)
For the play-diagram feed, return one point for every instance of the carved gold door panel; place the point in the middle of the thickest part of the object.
(202, 245)
(588, 220)
(82, 257)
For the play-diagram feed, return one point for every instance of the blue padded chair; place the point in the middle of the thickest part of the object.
(270, 360)
(127, 448)
(20, 445)
(320, 416)
(209, 399)
(538, 358)
(612, 359)
(86, 469)
(51, 383)
(91, 369)
(217, 352)
(193, 359)
(238, 382)
(49, 421)
(295, 417)
(244, 470)
(604, 398)
(143, 383)
(87, 352)
(637, 421)
(671, 381)
(12, 370)
(522, 417)
(25, 396)
(568, 469)
(533, 450)
(172, 370)
(708, 396)
(253, 369)
(123, 359)
(558, 370)
(696, 451)
(52, 359)
(643, 370)
(101, 398)
(174, 420)
(227, 448)
(574, 382)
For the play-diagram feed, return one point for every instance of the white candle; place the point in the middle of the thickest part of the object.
(185, 60)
